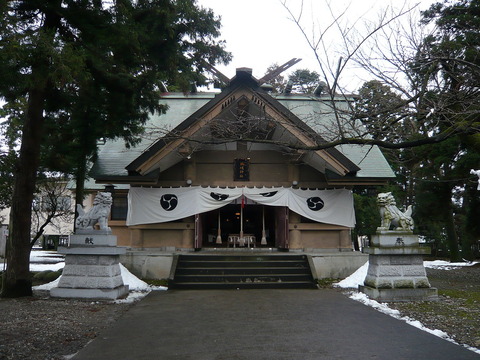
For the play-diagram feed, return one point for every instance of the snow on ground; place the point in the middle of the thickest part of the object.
(445, 265)
(46, 260)
(383, 307)
(358, 277)
(47, 286)
(38, 256)
(355, 279)
(138, 289)
(45, 267)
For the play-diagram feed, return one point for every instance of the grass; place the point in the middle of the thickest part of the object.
(44, 277)
(469, 309)
(471, 298)
(326, 282)
(156, 282)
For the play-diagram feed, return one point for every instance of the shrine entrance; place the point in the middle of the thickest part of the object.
(242, 225)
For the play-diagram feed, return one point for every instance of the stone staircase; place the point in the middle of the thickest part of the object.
(241, 272)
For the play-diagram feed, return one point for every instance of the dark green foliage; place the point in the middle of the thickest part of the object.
(44, 277)
(278, 82)
(304, 81)
(7, 162)
(74, 71)
(366, 213)
(444, 77)
(382, 112)
(450, 58)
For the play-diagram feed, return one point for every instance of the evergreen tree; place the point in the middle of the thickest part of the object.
(450, 59)
(83, 70)
(304, 81)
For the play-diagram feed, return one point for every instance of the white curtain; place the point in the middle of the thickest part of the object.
(157, 205)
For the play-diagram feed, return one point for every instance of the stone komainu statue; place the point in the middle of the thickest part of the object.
(391, 215)
(98, 214)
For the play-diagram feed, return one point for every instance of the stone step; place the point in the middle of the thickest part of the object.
(235, 264)
(227, 278)
(242, 271)
(239, 257)
(244, 285)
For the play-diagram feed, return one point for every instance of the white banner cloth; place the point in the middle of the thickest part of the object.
(157, 205)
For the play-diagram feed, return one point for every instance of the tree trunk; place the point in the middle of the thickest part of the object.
(471, 227)
(452, 237)
(80, 178)
(16, 280)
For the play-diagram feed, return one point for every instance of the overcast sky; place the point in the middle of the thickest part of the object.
(261, 32)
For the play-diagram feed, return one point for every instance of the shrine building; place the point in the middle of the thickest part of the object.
(235, 172)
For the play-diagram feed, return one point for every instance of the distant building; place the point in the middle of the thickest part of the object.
(54, 197)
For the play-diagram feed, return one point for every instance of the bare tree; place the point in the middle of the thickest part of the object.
(391, 50)
(52, 207)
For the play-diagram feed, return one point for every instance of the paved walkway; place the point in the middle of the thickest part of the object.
(263, 324)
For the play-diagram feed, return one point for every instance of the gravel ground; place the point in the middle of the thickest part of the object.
(458, 310)
(41, 328)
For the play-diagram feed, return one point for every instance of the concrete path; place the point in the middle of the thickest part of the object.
(263, 324)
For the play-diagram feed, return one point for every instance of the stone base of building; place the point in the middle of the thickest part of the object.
(399, 295)
(97, 294)
(157, 263)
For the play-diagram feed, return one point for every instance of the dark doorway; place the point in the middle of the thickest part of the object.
(253, 217)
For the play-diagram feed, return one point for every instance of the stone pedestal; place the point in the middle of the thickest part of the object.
(396, 271)
(92, 268)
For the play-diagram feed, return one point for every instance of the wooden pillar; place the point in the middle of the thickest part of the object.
(136, 238)
(293, 172)
(188, 236)
(295, 234)
(189, 169)
(345, 241)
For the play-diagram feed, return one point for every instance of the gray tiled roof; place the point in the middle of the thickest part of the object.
(113, 156)
(369, 159)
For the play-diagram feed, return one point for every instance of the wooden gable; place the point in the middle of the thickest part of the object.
(242, 108)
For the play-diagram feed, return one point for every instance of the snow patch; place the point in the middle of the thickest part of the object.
(446, 265)
(355, 279)
(45, 256)
(45, 267)
(48, 286)
(46, 260)
(383, 307)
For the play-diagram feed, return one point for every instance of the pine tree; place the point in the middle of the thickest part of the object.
(83, 70)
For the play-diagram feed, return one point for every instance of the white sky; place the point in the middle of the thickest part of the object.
(260, 32)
